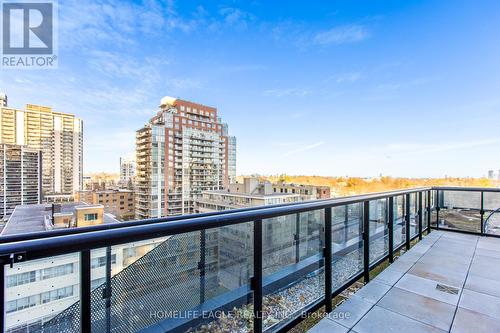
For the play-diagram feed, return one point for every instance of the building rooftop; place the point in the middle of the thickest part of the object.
(34, 218)
(447, 282)
(253, 195)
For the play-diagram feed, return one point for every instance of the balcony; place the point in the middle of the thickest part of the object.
(447, 282)
(266, 268)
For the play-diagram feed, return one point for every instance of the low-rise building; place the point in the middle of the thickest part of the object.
(118, 202)
(306, 192)
(38, 290)
(250, 193)
(281, 234)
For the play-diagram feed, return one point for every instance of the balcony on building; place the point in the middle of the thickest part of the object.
(412, 260)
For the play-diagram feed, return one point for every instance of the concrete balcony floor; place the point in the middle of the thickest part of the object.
(448, 282)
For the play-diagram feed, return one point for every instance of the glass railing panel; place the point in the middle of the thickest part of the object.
(192, 282)
(38, 291)
(413, 214)
(399, 227)
(185, 282)
(124, 275)
(379, 230)
(460, 210)
(434, 203)
(228, 267)
(278, 243)
(425, 216)
(492, 213)
(347, 239)
(310, 228)
(293, 274)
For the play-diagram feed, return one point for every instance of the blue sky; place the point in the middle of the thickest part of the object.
(359, 88)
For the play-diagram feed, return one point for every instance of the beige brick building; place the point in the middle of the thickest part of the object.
(120, 202)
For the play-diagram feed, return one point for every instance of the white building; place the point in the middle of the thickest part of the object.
(59, 136)
(127, 170)
(37, 290)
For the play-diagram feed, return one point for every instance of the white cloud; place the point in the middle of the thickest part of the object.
(342, 35)
(348, 77)
(304, 148)
(236, 17)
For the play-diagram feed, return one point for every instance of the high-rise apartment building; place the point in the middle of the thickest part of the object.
(20, 172)
(182, 151)
(59, 136)
(232, 159)
(3, 99)
(127, 170)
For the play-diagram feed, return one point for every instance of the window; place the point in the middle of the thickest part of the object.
(92, 216)
(97, 282)
(130, 252)
(21, 278)
(34, 300)
(53, 295)
(22, 303)
(101, 261)
(51, 272)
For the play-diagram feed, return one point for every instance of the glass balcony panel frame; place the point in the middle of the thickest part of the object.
(460, 210)
(347, 243)
(491, 217)
(293, 271)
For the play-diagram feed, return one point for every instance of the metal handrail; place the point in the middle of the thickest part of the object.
(72, 231)
(488, 218)
(35, 248)
(83, 240)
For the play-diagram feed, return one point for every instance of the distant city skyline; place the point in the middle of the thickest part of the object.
(352, 88)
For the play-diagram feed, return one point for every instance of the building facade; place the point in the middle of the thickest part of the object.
(118, 202)
(59, 136)
(250, 193)
(280, 235)
(43, 294)
(127, 171)
(3, 99)
(232, 159)
(306, 192)
(181, 152)
(20, 177)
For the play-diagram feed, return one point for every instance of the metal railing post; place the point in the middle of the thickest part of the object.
(85, 290)
(420, 208)
(297, 238)
(202, 264)
(327, 254)
(390, 207)
(482, 213)
(257, 276)
(437, 209)
(108, 289)
(429, 213)
(366, 241)
(346, 223)
(407, 220)
(2, 296)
